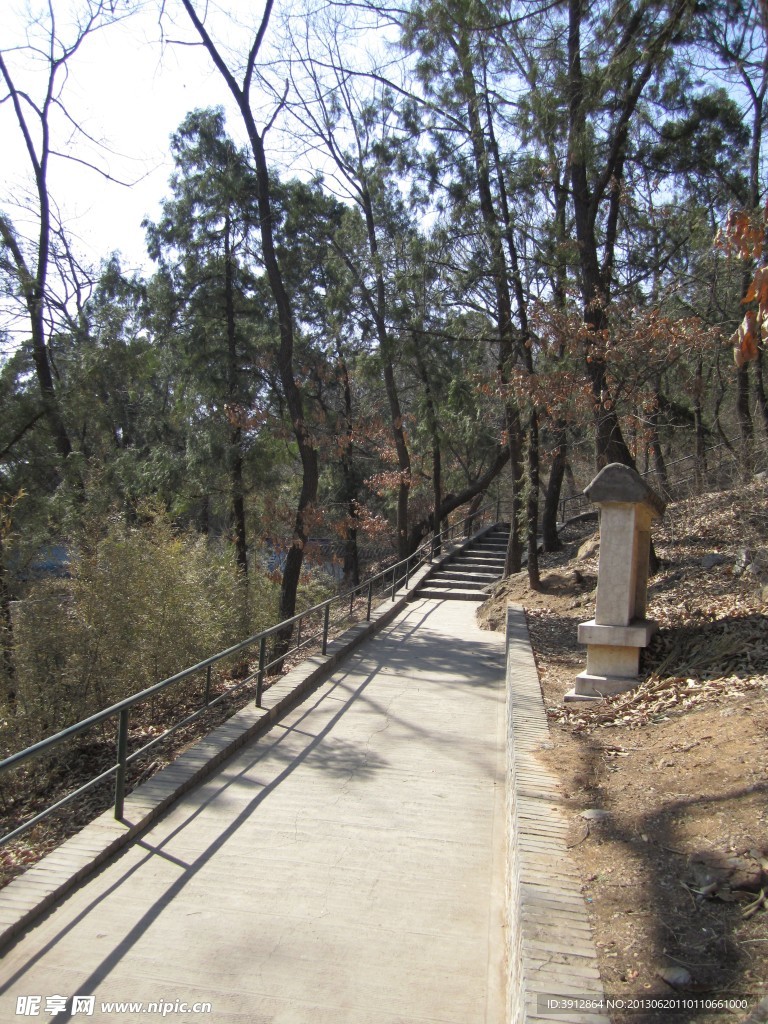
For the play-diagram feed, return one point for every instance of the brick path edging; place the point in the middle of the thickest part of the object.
(550, 949)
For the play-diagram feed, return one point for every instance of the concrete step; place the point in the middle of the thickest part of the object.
(467, 576)
(452, 584)
(482, 553)
(459, 574)
(470, 569)
(452, 595)
(482, 564)
(492, 556)
(484, 559)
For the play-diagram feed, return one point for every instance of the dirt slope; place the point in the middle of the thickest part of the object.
(674, 856)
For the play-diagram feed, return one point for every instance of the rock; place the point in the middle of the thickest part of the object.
(745, 873)
(710, 561)
(704, 876)
(595, 814)
(752, 561)
(589, 547)
(677, 977)
(760, 1013)
(718, 875)
(743, 559)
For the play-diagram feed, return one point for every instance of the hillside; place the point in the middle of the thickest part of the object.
(675, 873)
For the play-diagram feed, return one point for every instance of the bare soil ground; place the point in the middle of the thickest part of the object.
(674, 854)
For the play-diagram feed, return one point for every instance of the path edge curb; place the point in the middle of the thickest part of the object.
(550, 946)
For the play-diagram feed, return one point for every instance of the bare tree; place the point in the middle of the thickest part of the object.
(241, 91)
(736, 31)
(30, 262)
(352, 123)
(633, 53)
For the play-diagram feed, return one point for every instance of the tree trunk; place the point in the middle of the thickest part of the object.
(596, 276)
(453, 501)
(238, 500)
(508, 350)
(610, 445)
(762, 400)
(698, 419)
(307, 451)
(550, 536)
(236, 435)
(514, 560)
(659, 464)
(745, 416)
(33, 287)
(436, 451)
(6, 638)
(534, 579)
(204, 515)
(390, 384)
(351, 552)
(349, 486)
(293, 398)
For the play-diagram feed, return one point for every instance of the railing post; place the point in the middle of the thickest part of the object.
(370, 600)
(208, 686)
(326, 621)
(122, 757)
(407, 570)
(394, 577)
(260, 677)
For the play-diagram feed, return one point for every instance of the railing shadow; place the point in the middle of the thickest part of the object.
(306, 741)
(314, 622)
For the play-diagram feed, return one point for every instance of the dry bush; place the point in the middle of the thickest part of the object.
(140, 604)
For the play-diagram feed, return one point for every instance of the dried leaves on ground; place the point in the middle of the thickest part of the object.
(674, 857)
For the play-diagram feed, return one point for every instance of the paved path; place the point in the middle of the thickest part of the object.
(348, 868)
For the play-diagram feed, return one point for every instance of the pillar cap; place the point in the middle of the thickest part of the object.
(619, 483)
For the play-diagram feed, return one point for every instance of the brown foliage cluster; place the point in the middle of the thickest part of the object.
(743, 236)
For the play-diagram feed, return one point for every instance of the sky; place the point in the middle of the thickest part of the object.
(129, 87)
(129, 93)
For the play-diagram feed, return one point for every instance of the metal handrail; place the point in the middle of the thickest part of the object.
(580, 498)
(400, 573)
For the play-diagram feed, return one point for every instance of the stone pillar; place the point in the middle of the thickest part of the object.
(619, 629)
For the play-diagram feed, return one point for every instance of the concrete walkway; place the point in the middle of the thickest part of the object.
(347, 868)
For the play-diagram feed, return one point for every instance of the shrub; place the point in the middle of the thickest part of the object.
(141, 604)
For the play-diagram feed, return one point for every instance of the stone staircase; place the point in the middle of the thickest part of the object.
(466, 575)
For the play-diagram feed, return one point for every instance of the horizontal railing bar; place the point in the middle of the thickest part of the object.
(136, 754)
(60, 803)
(130, 759)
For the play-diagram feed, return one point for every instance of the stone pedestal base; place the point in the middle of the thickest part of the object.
(572, 697)
(613, 654)
(590, 686)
